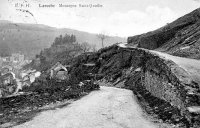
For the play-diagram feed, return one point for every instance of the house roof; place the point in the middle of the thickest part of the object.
(67, 66)
(58, 66)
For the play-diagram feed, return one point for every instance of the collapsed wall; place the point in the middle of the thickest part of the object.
(162, 78)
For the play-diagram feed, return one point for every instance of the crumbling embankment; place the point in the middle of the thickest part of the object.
(147, 73)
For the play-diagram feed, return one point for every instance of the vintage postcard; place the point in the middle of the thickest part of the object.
(99, 64)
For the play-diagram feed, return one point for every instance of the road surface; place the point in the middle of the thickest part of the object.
(191, 66)
(106, 108)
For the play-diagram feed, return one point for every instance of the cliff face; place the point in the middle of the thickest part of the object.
(180, 38)
(139, 68)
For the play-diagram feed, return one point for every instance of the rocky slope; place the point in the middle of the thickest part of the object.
(180, 38)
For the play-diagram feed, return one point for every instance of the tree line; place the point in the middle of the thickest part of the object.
(66, 39)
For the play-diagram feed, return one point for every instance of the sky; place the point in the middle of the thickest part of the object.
(116, 17)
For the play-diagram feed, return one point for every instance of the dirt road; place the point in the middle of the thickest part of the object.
(191, 66)
(107, 108)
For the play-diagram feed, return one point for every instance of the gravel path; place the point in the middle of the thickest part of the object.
(107, 108)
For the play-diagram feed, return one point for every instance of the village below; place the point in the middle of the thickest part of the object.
(11, 73)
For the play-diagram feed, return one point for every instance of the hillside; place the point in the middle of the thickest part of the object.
(180, 38)
(30, 39)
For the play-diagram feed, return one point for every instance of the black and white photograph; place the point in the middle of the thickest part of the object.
(99, 63)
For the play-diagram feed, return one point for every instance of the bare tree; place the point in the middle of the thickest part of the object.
(102, 37)
(85, 46)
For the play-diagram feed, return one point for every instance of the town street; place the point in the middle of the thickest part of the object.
(108, 107)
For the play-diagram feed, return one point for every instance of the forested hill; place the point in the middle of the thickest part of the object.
(30, 39)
